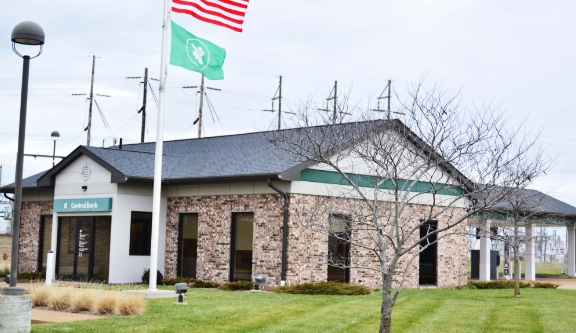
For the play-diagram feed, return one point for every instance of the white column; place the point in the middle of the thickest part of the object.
(51, 264)
(529, 255)
(485, 251)
(571, 242)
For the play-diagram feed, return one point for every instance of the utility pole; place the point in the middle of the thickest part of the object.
(333, 96)
(91, 98)
(278, 96)
(143, 109)
(279, 104)
(200, 109)
(389, 87)
(144, 100)
(389, 97)
(202, 92)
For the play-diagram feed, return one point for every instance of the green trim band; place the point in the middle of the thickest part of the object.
(331, 177)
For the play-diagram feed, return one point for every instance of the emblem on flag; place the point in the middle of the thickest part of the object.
(196, 54)
(225, 13)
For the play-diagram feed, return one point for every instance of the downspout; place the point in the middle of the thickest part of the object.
(284, 231)
(7, 197)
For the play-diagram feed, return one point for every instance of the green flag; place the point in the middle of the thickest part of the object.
(196, 54)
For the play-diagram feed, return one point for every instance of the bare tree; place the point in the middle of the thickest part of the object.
(401, 185)
(521, 208)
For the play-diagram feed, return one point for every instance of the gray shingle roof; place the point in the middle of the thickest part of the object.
(536, 202)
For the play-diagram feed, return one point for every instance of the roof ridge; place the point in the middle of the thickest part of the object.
(258, 132)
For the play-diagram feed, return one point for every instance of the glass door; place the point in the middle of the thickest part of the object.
(84, 246)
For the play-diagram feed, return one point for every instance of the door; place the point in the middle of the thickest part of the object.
(429, 256)
(83, 248)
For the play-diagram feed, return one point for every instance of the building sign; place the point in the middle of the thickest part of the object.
(83, 205)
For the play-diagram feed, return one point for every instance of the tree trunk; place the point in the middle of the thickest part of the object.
(386, 311)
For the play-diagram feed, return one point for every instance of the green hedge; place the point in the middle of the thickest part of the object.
(323, 288)
(237, 286)
(509, 284)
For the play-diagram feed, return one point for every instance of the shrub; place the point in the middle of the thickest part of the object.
(106, 304)
(237, 286)
(42, 296)
(146, 277)
(4, 272)
(544, 285)
(171, 282)
(203, 284)
(323, 288)
(130, 305)
(31, 276)
(61, 299)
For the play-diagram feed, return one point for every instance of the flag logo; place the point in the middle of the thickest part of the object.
(198, 53)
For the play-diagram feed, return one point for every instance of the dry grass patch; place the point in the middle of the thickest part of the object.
(42, 296)
(61, 299)
(106, 305)
(82, 299)
(132, 305)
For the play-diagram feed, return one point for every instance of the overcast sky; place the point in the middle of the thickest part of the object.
(518, 55)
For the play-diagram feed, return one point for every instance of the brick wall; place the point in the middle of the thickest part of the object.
(214, 223)
(30, 233)
(307, 248)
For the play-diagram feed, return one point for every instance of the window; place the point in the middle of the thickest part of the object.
(140, 233)
(188, 245)
(241, 246)
(339, 249)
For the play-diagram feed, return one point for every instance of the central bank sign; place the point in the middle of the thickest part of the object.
(83, 205)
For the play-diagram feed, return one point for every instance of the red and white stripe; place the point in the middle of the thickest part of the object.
(225, 13)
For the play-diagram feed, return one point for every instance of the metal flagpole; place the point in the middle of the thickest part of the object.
(158, 156)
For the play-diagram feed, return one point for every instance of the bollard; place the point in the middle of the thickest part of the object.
(50, 265)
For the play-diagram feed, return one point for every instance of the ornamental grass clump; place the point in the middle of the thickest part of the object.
(42, 296)
(61, 299)
(323, 288)
(84, 300)
(106, 304)
(133, 305)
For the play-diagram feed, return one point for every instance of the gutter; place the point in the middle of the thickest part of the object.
(284, 231)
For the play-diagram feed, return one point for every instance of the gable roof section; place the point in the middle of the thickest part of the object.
(231, 158)
(538, 203)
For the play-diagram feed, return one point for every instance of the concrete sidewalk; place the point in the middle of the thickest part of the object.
(41, 316)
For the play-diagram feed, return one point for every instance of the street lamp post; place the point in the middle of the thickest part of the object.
(27, 33)
(55, 136)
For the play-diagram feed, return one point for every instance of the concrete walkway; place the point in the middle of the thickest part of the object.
(40, 316)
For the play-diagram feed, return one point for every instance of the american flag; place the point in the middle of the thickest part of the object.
(225, 13)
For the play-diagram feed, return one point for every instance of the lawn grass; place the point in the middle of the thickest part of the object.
(428, 310)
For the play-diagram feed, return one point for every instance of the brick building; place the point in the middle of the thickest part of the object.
(232, 208)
